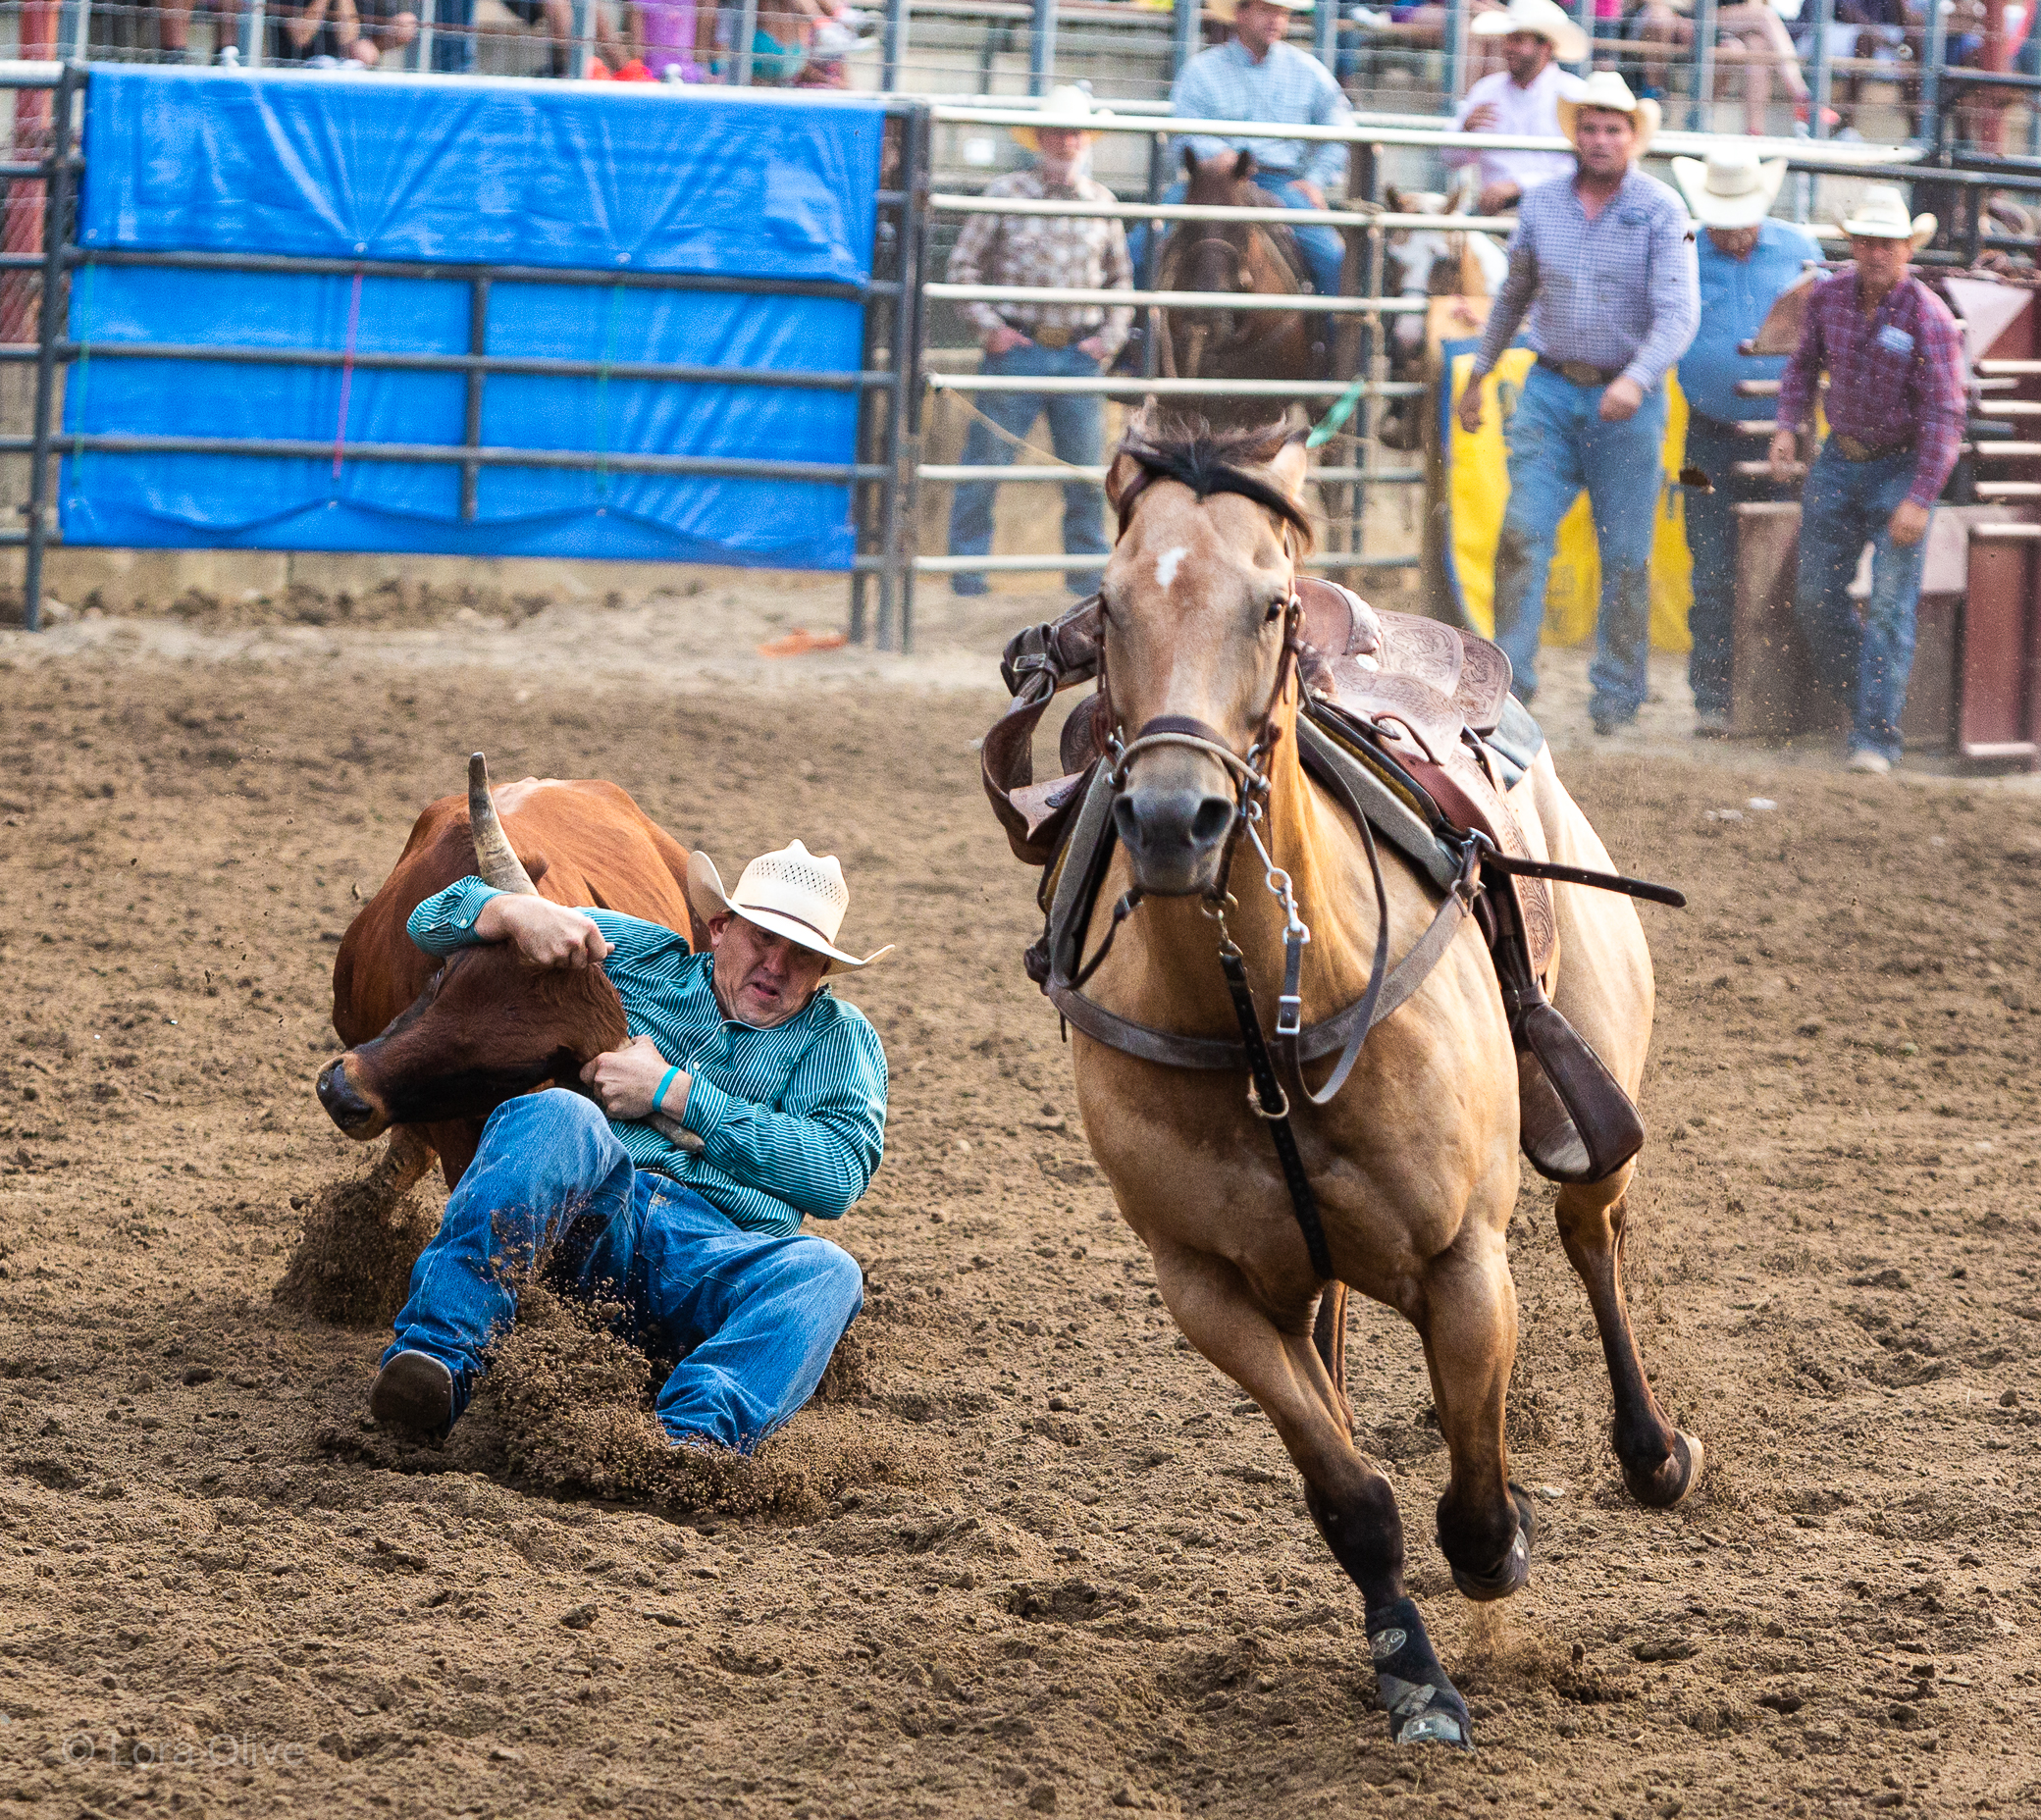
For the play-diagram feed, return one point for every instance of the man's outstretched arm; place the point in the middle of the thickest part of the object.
(546, 934)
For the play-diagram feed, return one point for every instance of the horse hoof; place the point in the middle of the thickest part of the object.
(1514, 1569)
(1674, 1476)
(1423, 1706)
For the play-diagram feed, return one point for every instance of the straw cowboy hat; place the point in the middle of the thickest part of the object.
(1607, 90)
(1539, 17)
(1881, 215)
(1733, 189)
(1224, 10)
(792, 893)
(1065, 107)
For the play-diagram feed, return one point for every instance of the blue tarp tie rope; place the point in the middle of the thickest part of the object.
(616, 294)
(339, 429)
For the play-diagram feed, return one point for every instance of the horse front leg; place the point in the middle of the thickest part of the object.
(1468, 1320)
(1351, 1503)
(1661, 1464)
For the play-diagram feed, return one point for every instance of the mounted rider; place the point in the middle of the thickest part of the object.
(1254, 75)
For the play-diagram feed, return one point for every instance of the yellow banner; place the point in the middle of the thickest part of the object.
(1477, 485)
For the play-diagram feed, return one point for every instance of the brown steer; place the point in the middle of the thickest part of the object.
(434, 1047)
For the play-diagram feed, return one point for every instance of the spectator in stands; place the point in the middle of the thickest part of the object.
(1746, 260)
(1752, 35)
(554, 19)
(674, 35)
(1601, 262)
(359, 31)
(1522, 98)
(174, 26)
(453, 36)
(1042, 340)
(1895, 409)
(1255, 75)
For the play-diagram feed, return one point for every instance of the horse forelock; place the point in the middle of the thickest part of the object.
(1208, 462)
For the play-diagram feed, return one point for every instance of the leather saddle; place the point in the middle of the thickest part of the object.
(1408, 717)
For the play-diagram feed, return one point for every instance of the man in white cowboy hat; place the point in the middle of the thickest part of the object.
(748, 1098)
(1521, 98)
(1042, 340)
(1601, 264)
(1746, 259)
(1255, 75)
(1896, 411)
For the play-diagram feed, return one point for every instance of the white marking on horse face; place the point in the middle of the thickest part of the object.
(1167, 563)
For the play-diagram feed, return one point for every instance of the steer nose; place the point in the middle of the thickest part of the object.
(1173, 837)
(343, 1105)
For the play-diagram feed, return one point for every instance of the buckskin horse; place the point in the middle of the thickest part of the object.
(1235, 257)
(1229, 868)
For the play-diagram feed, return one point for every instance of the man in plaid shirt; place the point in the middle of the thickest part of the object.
(1895, 411)
(1042, 340)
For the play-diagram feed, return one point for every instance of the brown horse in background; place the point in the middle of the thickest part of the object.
(1235, 257)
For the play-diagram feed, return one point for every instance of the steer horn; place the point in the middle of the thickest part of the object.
(495, 862)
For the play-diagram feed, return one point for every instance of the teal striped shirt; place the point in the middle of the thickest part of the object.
(792, 1119)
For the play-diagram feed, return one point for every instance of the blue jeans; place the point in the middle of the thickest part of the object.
(752, 1317)
(1078, 432)
(1715, 449)
(453, 36)
(1558, 444)
(1325, 252)
(1845, 505)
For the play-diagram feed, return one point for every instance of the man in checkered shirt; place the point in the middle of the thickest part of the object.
(1042, 340)
(1602, 265)
(1896, 411)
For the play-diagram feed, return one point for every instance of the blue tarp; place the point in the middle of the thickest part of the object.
(534, 175)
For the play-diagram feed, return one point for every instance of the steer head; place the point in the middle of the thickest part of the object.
(487, 1026)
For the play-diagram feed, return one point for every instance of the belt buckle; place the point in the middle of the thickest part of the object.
(1580, 373)
(1055, 339)
(1852, 449)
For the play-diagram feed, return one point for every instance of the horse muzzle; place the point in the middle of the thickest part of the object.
(346, 1106)
(1174, 836)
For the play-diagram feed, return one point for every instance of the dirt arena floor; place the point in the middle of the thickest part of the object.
(1027, 1555)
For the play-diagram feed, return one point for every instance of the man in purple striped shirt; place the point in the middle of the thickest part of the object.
(1895, 409)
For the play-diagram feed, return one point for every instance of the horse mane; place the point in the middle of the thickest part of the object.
(1208, 461)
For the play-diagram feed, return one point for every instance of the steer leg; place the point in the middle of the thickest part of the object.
(401, 1166)
(1275, 1360)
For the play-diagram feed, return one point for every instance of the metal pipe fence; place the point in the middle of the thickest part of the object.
(885, 380)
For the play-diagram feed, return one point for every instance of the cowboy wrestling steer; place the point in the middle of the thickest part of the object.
(728, 1095)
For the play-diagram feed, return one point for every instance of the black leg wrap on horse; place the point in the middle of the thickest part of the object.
(1514, 1569)
(1423, 1705)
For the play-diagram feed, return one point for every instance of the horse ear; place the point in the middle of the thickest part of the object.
(1244, 167)
(1120, 475)
(1190, 162)
(1288, 468)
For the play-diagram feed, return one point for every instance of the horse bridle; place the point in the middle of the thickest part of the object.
(1347, 1029)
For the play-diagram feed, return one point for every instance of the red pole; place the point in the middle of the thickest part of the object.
(21, 230)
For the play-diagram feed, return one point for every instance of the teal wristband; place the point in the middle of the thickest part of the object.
(660, 1098)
